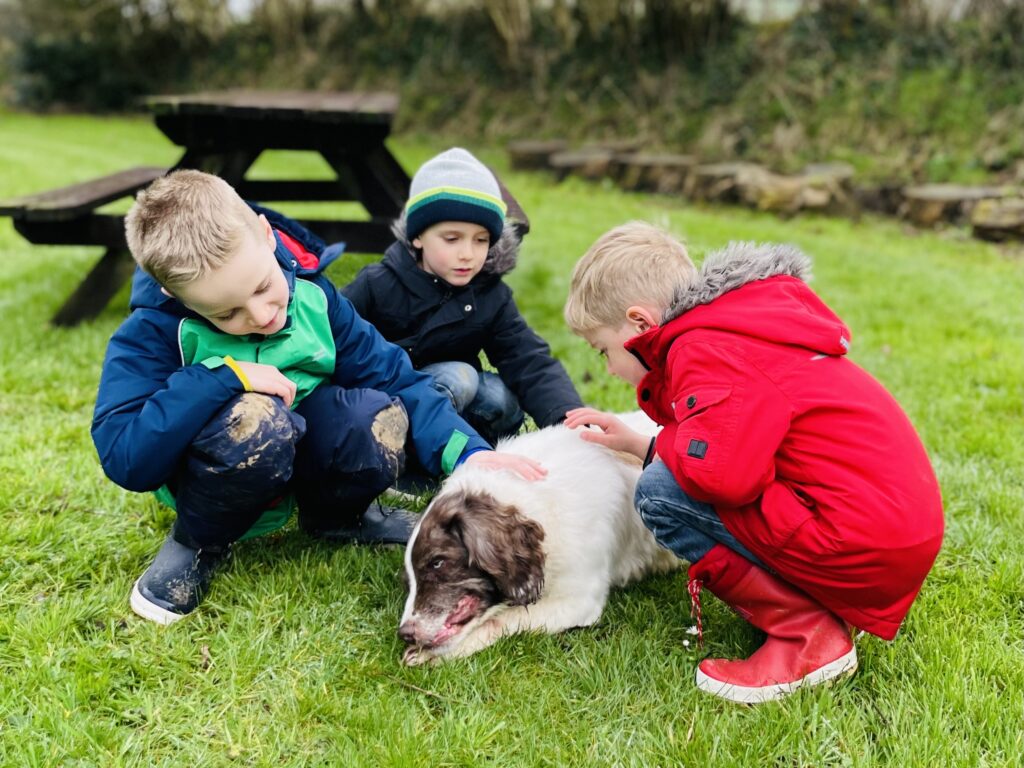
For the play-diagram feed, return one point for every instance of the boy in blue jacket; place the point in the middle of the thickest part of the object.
(242, 382)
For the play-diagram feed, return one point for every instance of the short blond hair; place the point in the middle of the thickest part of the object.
(636, 263)
(186, 224)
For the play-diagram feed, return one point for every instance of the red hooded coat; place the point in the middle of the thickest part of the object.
(808, 460)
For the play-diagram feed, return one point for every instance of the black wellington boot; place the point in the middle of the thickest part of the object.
(377, 525)
(175, 583)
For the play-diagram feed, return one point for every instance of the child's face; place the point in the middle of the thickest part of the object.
(620, 362)
(455, 251)
(246, 294)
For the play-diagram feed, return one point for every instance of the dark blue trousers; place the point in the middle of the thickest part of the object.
(337, 452)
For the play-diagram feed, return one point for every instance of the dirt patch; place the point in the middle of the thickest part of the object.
(389, 429)
(248, 415)
(180, 590)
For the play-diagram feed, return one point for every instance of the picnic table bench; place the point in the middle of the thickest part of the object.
(67, 216)
(224, 133)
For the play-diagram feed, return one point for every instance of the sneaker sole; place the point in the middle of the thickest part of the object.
(147, 610)
(844, 665)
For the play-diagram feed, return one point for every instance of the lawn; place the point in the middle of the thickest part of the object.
(293, 658)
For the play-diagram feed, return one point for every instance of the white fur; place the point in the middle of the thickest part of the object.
(594, 538)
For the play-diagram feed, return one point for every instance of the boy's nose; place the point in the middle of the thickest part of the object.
(261, 317)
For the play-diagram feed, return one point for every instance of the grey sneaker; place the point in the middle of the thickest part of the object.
(175, 583)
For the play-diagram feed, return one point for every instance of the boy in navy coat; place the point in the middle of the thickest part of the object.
(438, 294)
(242, 381)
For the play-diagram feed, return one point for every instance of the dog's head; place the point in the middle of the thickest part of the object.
(469, 553)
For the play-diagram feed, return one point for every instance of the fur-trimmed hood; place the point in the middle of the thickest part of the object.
(501, 258)
(750, 290)
(736, 265)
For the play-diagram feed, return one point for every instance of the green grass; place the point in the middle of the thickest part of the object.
(293, 658)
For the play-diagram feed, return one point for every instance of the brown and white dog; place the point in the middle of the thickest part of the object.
(495, 554)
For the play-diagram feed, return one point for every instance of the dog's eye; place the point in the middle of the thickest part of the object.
(435, 564)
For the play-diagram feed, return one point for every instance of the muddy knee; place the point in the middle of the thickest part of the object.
(254, 434)
(389, 430)
(236, 467)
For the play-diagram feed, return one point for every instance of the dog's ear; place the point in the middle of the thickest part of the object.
(505, 545)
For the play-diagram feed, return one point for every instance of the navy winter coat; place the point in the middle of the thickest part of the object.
(150, 406)
(436, 322)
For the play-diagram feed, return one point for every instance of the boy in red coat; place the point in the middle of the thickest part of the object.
(786, 475)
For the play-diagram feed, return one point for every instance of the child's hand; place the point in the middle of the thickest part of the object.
(267, 380)
(610, 432)
(528, 469)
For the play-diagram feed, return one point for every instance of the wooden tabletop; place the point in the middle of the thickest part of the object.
(327, 106)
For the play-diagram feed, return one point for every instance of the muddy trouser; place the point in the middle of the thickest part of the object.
(337, 451)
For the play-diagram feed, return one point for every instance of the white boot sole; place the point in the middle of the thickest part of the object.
(147, 610)
(844, 665)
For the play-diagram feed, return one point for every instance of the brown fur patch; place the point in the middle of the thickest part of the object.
(469, 543)
(501, 542)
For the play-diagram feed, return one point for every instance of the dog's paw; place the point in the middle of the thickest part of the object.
(415, 657)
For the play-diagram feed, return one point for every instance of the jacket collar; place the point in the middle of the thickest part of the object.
(401, 262)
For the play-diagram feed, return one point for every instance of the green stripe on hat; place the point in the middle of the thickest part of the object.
(457, 194)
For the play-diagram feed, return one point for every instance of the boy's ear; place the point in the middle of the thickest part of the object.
(268, 231)
(640, 318)
(417, 243)
(165, 292)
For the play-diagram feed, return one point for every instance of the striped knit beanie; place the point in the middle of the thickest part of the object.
(454, 186)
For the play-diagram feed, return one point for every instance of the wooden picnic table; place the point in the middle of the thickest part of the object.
(224, 133)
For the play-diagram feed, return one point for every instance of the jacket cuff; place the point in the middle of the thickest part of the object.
(460, 446)
(469, 452)
(215, 362)
(234, 366)
(452, 451)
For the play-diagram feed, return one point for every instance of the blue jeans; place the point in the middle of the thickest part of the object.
(480, 397)
(686, 527)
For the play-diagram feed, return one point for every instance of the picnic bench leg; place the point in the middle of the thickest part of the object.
(97, 289)
(382, 182)
(229, 165)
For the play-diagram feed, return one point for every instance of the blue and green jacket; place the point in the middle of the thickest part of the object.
(164, 378)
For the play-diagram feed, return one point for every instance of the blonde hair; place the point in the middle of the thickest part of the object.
(636, 263)
(186, 224)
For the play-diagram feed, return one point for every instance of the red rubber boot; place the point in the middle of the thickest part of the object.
(806, 645)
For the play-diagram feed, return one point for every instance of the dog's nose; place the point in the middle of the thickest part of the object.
(407, 631)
